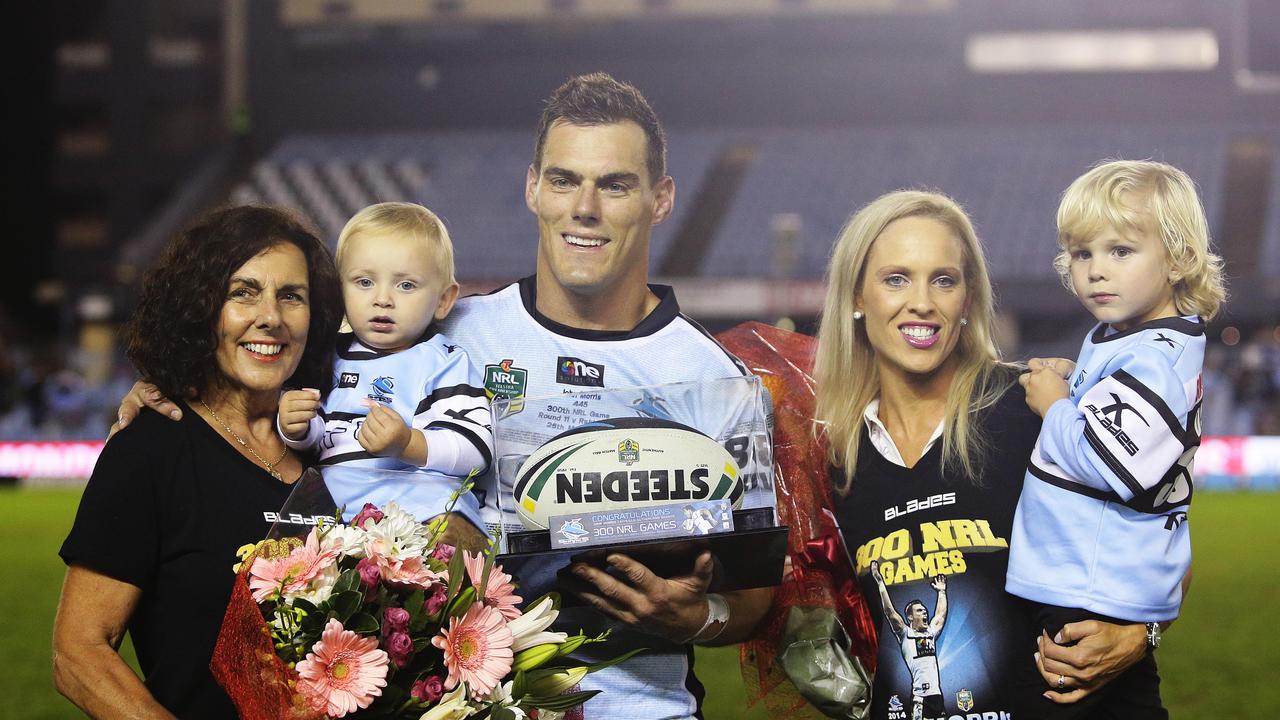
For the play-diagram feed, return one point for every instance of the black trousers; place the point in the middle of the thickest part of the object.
(1132, 695)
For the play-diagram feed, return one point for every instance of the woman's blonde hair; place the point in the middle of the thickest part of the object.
(402, 218)
(845, 366)
(1135, 196)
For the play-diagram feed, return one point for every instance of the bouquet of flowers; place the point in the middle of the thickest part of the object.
(381, 619)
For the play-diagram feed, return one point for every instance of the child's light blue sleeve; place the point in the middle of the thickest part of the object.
(1126, 431)
(454, 401)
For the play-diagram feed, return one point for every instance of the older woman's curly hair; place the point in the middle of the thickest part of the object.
(172, 338)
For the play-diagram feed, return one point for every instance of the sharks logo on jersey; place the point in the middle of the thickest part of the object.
(383, 389)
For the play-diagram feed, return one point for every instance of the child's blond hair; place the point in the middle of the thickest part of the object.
(1134, 196)
(401, 218)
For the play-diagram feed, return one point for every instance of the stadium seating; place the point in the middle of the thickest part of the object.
(1009, 179)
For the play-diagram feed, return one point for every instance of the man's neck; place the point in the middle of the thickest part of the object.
(620, 310)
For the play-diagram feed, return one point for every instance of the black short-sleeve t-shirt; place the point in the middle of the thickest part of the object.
(166, 508)
(919, 523)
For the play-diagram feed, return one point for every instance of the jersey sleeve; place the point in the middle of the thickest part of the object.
(1126, 431)
(117, 527)
(455, 402)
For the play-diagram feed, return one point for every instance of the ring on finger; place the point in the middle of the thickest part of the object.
(1062, 681)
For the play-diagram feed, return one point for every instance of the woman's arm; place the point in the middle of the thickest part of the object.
(87, 668)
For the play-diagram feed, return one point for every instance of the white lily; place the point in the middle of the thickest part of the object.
(501, 696)
(529, 629)
(453, 706)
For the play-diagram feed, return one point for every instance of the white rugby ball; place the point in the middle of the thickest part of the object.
(623, 463)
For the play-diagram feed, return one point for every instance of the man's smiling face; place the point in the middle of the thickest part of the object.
(596, 206)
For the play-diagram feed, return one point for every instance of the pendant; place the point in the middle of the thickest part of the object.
(276, 474)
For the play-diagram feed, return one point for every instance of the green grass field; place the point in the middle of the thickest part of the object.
(1215, 661)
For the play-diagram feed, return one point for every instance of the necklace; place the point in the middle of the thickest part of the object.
(271, 466)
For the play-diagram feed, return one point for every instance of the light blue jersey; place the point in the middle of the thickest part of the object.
(435, 388)
(1101, 523)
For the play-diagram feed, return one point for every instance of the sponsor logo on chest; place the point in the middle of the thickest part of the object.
(575, 371)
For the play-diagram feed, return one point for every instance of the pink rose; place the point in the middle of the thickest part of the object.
(368, 512)
(428, 689)
(400, 647)
(436, 602)
(443, 552)
(370, 575)
(395, 620)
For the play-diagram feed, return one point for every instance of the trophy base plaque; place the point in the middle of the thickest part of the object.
(750, 556)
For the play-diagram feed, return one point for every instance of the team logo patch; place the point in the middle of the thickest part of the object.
(383, 388)
(573, 532)
(505, 381)
(895, 704)
(652, 406)
(964, 700)
(574, 371)
(348, 380)
(628, 452)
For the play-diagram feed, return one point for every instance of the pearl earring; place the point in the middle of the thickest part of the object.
(857, 314)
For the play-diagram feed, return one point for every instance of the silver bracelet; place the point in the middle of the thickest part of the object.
(717, 611)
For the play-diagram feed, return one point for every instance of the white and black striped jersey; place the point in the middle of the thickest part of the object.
(435, 388)
(1101, 523)
(525, 354)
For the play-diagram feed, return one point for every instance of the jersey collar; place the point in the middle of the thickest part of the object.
(661, 316)
(350, 347)
(1190, 325)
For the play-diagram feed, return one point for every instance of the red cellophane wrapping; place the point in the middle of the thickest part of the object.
(820, 575)
(245, 663)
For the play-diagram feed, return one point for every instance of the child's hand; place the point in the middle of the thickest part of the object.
(1045, 383)
(297, 407)
(383, 433)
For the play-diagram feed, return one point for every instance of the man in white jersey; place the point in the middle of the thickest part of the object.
(918, 640)
(588, 318)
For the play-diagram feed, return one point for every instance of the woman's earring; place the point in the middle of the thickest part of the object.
(857, 314)
(964, 321)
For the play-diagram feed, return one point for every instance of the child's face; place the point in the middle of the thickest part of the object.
(1123, 280)
(392, 290)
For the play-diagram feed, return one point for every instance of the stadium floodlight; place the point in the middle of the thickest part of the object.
(1093, 51)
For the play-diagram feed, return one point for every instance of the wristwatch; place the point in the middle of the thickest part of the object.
(1153, 636)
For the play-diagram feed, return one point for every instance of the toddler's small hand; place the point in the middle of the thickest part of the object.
(1045, 386)
(297, 407)
(383, 433)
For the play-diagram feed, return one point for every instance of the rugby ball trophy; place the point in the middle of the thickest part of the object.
(624, 463)
(659, 473)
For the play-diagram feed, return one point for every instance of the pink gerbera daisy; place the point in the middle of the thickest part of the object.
(411, 571)
(477, 649)
(289, 574)
(499, 593)
(343, 672)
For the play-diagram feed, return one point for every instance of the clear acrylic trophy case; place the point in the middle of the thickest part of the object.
(745, 540)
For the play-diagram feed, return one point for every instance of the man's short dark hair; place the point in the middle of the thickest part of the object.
(599, 99)
(907, 608)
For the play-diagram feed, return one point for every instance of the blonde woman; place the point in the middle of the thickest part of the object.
(929, 436)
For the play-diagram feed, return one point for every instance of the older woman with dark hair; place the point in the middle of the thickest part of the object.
(241, 304)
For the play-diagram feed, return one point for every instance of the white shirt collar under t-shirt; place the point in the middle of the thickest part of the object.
(880, 439)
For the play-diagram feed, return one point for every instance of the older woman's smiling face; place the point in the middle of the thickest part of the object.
(913, 296)
(262, 330)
